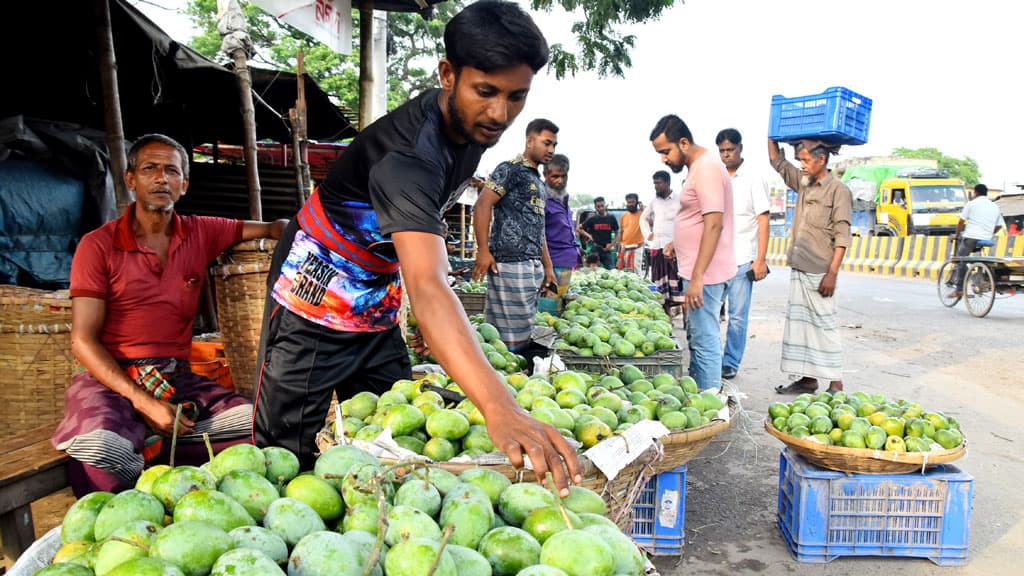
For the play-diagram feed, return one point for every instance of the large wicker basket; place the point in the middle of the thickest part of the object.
(240, 282)
(618, 494)
(472, 302)
(865, 460)
(36, 363)
(681, 446)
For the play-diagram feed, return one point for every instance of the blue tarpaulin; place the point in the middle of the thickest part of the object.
(40, 223)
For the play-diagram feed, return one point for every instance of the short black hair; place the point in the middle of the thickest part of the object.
(598, 199)
(633, 196)
(539, 125)
(146, 140)
(673, 128)
(981, 190)
(663, 175)
(731, 134)
(593, 258)
(558, 161)
(492, 34)
(819, 150)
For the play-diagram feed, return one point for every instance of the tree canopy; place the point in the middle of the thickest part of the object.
(965, 169)
(415, 44)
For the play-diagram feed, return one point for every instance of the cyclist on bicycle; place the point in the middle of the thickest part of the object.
(980, 220)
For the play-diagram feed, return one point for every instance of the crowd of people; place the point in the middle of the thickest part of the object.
(334, 290)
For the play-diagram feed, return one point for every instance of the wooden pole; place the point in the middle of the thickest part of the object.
(111, 104)
(249, 132)
(297, 115)
(366, 68)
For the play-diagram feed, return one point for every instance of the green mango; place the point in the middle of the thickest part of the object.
(192, 546)
(80, 519)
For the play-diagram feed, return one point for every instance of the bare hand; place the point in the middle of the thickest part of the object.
(694, 296)
(418, 344)
(514, 432)
(827, 287)
(484, 263)
(760, 269)
(159, 416)
(549, 280)
(669, 251)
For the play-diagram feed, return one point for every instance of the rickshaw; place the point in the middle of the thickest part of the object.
(985, 279)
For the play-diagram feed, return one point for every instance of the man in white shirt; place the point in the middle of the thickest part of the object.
(980, 220)
(657, 224)
(750, 209)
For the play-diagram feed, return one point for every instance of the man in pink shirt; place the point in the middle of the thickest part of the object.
(703, 242)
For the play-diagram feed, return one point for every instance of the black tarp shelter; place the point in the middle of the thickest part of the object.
(52, 73)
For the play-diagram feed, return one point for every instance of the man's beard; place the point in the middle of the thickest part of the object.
(459, 123)
(664, 194)
(557, 193)
(632, 208)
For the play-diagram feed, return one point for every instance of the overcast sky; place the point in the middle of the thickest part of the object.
(941, 73)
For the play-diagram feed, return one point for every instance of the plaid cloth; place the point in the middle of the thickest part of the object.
(147, 375)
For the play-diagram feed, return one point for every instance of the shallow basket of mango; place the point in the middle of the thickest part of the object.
(865, 434)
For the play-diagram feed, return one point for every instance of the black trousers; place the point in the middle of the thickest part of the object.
(301, 363)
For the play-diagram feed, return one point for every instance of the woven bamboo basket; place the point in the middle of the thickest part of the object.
(619, 494)
(36, 363)
(680, 447)
(865, 460)
(240, 282)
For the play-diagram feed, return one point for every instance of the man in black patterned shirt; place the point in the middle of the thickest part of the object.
(513, 254)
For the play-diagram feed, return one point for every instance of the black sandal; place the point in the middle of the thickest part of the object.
(797, 387)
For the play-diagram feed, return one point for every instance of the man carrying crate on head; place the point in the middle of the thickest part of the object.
(820, 236)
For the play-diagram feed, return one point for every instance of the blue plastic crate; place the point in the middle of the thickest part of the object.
(659, 514)
(825, 514)
(837, 115)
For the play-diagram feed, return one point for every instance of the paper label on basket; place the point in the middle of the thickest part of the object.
(615, 453)
(428, 369)
(668, 508)
(384, 446)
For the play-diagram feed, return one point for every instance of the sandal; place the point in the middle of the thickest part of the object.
(797, 387)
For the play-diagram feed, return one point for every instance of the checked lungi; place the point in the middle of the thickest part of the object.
(665, 278)
(512, 301)
(810, 344)
(101, 429)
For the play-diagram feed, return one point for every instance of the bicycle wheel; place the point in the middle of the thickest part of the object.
(947, 286)
(979, 290)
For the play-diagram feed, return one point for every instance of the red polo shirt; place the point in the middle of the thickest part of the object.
(150, 306)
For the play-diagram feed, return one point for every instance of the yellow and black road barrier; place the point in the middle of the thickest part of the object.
(905, 257)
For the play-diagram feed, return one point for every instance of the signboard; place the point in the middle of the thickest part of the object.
(329, 21)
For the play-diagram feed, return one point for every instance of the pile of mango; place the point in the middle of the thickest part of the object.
(585, 407)
(614, 314)
(473, 287)
(249, 512)
(498, 355)
(861, 420)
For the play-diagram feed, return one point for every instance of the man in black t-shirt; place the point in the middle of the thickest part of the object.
(601, 230)
(513, 254)
(330, 321)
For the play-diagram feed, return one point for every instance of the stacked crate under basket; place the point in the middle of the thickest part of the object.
(472, 302)
(824, 514)
(36, 363)
(659, 514)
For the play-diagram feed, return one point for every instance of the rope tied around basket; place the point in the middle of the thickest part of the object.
(647, 471)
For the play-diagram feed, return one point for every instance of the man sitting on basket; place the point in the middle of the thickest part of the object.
(135, 286)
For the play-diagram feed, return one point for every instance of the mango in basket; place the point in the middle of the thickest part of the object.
(895, 444)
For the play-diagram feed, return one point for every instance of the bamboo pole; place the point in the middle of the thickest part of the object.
(297, 115)
(111, 104)
(249, 134)
(366, 69)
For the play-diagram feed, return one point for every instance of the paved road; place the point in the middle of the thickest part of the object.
(898, 340)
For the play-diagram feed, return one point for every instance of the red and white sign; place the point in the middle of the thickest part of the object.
(329, 21)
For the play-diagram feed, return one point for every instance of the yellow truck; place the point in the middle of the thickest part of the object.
(912, 201)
